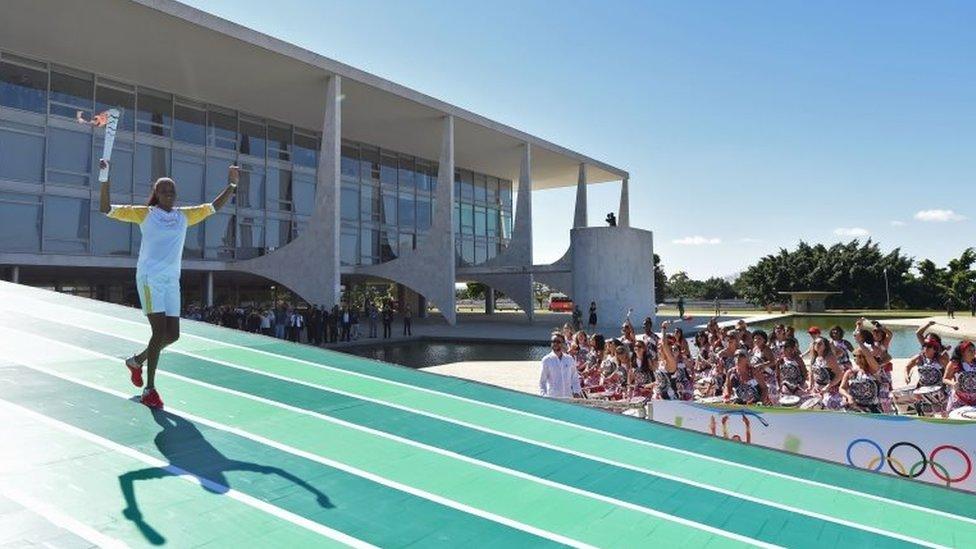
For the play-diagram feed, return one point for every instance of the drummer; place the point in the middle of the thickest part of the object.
(665, 384)
(825, 376)
(960, 376)
(792, 370)
(842, 347)
(765, 363)
(744, 385)
(860, 385)
(930, 364)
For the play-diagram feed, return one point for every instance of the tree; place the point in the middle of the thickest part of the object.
(660, 280)
(476, 290)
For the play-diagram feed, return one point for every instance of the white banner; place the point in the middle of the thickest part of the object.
(931, 450)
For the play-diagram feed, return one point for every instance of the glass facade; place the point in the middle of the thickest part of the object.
(49, 165)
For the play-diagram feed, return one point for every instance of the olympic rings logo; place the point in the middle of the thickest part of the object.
(921, 465)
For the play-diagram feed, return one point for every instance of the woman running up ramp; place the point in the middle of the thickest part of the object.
(163, 229)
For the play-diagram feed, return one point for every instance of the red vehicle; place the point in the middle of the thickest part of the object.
(560, 303)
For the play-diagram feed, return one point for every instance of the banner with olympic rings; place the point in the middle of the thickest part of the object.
(937, 451)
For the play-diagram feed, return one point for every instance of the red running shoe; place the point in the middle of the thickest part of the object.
(150, 397)
(135, 371)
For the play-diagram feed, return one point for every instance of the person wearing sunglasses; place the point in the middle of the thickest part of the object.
(559, 378)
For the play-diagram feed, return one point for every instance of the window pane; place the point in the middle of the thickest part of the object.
(110, 237)
(279, 142)
(21, 216)
(406, 174)
(253, 138)
(223, 130)
(151, 163)
(349, 202)
(250, 190)
(480, 182)
(467, 218)
(189, 173)
(389, 208)
(467, 251)
(479, 221)
(120, 172)
(423, 214)
(467, 186)
(250, 238)
(107, 98)
(190, 125)
(279, 189)
(492, 222)
(303, 192)
(370, 162)
(65, 224)
(306, 150)
(216, 176)
(423, 175)
(505, 190)
(70, 94)
(219, 235)
(23, 88)
(406, 211)
(350, 163)
(155, 114)
(349, 246)
(491, 191)
(370, 203)
(278, 233)
(21, 153)
(68, 156)
(408, 241)
(480, 251)
(388, 170)
(369, 245)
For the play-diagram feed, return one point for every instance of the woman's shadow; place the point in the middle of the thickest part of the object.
(188, 452)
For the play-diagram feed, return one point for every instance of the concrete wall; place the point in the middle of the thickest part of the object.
(613, 266)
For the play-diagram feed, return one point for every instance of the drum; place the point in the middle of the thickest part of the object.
(789, 401)
(903, 395)
(931, 394)
(812, 403)
(712, 400)
(966, 413)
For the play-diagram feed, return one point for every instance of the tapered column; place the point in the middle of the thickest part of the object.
(15, 274)
(623, 216)
(522, 233)
(327, 196)
(580, 219)
(208, 289)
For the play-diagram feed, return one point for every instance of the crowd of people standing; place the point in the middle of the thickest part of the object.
(733, 364)
(314, 324)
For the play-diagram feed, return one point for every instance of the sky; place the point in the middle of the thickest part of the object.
(745, 126)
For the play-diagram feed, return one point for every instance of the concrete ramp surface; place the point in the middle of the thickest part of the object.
(268, 443)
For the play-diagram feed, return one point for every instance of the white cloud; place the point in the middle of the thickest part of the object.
(748, 240)
(851, 231)
(938, 216)
(898, 223)
(696, 240)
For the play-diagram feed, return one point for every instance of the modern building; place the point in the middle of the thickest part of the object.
(347, 178)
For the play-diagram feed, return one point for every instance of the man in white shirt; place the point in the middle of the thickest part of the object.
(559, 378)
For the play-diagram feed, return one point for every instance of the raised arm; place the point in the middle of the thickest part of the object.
(104, 202)
(920, 333)
(233, 176)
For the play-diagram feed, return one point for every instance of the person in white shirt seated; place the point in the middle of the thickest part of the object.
(559, 378)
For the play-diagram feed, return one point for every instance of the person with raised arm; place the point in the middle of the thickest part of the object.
(163, 226)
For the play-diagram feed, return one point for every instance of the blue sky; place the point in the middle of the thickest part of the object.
(745, 126)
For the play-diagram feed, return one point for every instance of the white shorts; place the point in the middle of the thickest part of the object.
(159, 294)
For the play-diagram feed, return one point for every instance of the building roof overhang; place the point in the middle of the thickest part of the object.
(186, 51)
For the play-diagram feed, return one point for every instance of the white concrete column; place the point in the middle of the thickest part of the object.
(208, 289)
(522, 232)
(15, 274)
(328, 193)
(580, 219)
(443, 225)
(623, 215)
